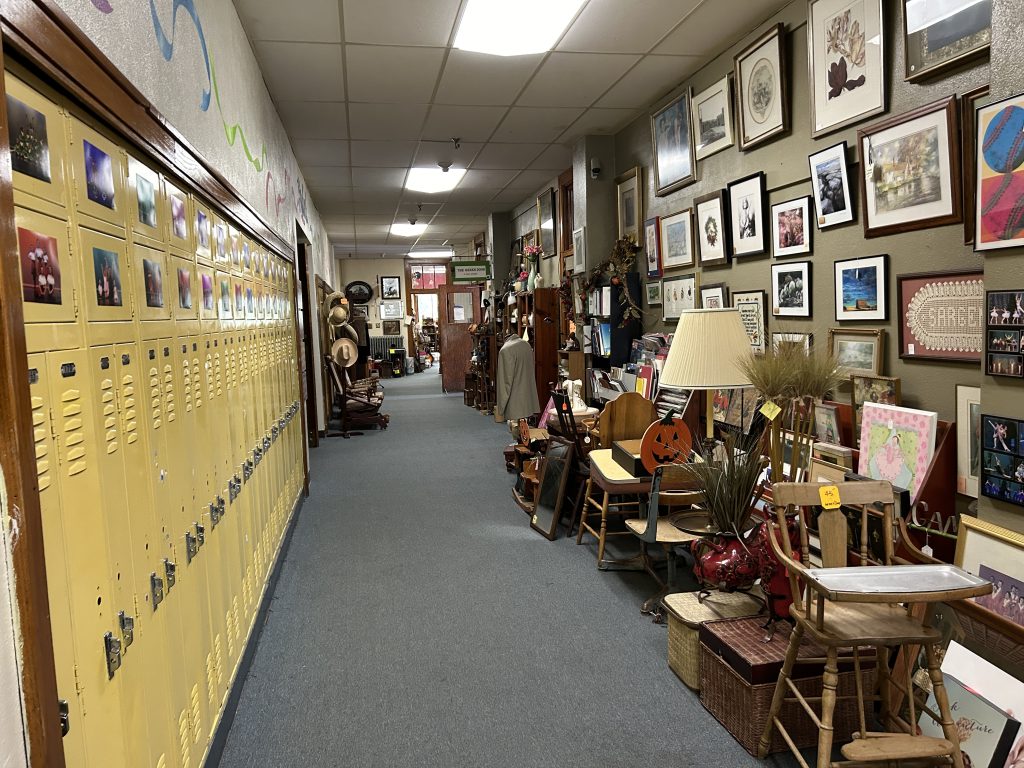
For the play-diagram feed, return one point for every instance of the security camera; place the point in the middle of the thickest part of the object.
(595, 167)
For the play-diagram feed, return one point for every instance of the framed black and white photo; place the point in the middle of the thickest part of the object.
(579, 250)
(791, 289)
(910, 170)
(652, 247)
(391, 310)
(391, 287)
(712, 118)
(791, 227)
(714, 296)
(629, 191)
(747, 206)
(712, 228)
(672, 135)
(753, 306)
(831, 184)
(940, 36)
(861, 287)
(676, 240)
(678, 294)
(653, 293)
(845, 62)
(761, 84)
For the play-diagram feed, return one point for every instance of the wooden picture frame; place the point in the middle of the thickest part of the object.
(997, 178)
(678, 294)
(652, 246)
(748, 207)
(712, 228)
(968, 147)
(968, 439)
(973, 22)
(762, 88)
(391, 327)
(753, 308)
(830, 182)
(791, 227)
(554, 477)
(711, 111)
(875, 389)
(675, 164)
(546, 222)
(629, 196)
(862, 288)
(956, 302)
(895, 202)
(675, 241)
(859, 351)
(979, 544)
(791, 289)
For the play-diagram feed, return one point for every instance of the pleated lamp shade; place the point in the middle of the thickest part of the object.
(706, 351)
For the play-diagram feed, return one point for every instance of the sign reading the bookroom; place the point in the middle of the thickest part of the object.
(471, 271)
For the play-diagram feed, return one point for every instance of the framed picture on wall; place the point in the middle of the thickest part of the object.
(969, 103)
(678, 294)
(862, 288)
(791, 227)
(791, 289)
(652, 246)
(391, 287)
(712, 118)
(939, 36)
(968, 439)
(999, 175)
(830, 181)
(910, 170)
(942, 316)
(1004, 355)
(391, 310)
(858, 351)
(654, 293)
(546, 222)
(761, 84)
(715, 296)
(753, 314)
(748, 199)
(845, 62)
(579, 250)
(676, 240)
(712, 228)
(629, 191)
(392, 327)
(802, 341)
(672, 136)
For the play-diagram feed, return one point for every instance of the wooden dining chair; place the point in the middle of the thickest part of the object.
(626, 417)
(864, 606)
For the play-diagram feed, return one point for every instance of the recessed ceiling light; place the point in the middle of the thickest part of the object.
(433, 179)
(408, 229)
(514, 29)
(438, 254)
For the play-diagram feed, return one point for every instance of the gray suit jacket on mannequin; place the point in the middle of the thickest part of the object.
(517, 387)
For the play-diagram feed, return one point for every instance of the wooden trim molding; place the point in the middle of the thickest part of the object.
(42, 33)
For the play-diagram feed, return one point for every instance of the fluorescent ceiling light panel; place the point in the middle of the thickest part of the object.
(434, 179)
(429, 254)
(405, 229)
(502, 28)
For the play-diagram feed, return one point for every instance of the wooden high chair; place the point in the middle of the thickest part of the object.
(842, 607)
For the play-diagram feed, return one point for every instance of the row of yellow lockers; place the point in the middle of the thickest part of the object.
(168, 449)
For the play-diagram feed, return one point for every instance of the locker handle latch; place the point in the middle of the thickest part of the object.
(221, 505)
(170, 571)
(65, 716)
(191, 548)
(200, 534)
(127, 628)
(156, 585)
(214, 515)
(112, 650)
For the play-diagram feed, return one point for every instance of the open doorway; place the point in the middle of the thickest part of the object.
(424, 306)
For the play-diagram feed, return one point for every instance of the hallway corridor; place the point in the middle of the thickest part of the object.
(418, 621)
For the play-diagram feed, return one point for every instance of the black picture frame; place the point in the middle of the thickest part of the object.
(739, 192)
(554, 476)
(703, 231)
(390, 287)
(359, 292)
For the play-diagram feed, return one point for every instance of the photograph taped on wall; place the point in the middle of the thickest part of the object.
(857, 350)
(999, 175)
(38, 147)
(791, 289)
(791, 227)
(748, 199)
(831, 183)
(968, 439)
(653, 293)
(714, 296)
(153, 279)
(678, 294)
(910, 170)
(752, 306)
(672, 136)
(862, 288)
(761, 85)
(675, 240)
(652, 246)
(942, 316)
(99, 175)
(712, 118)
(29, 142)
(712, 229)
(206, 281)
(107, 275)
(1003, 351)
(184, 288)
(40, 267)
(845, 62)
(629, 190)
(939, 36)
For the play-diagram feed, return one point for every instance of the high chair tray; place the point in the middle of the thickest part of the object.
(897, 583)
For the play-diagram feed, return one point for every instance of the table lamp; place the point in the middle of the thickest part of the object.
(705, 354)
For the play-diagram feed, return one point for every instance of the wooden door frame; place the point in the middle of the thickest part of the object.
(410, 307)
(299, 356)
(304, 283)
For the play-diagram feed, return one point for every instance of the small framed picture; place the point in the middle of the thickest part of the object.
(831, 183)
(748, 199)
(872, 389)
(676, 240)
(910, 170)
(391, 287)
(712, 118)
(1002, 466)
(579, 250)
(712, 229)
(672, 136)
(861, 288)
(678, 294)
(715, 296)
(999, 176)
(968, 439)
(942, 316)
(858, 351)
(391, 310)
(654, 293)
(1003, 352)
(801, 341)
(791, 289)
(761, 78)
(392, 327)
(752, 306)
(652, 246)
(791, 228)
(826, 423)
(938, 40)
(629, 190)
(546, 223)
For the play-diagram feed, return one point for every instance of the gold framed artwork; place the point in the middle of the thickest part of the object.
(859, 351)
(629, 193)
(997, 554)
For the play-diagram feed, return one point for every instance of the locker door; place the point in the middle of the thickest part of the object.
(57, 582)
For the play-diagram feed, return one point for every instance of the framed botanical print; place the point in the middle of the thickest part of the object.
(968, 439)
(391, 287)
(845, 61)
(858, 351)
(712, 228)
(939, 36)
(910, 170)
(761, 84)
(678, 294)
(672, 136)
(712, 118)
(676, 240)
(831, 183)
(652, 246)
(861, 288)
(714, 296)
(942, 316)
(629, 190)
(747, 206)
(791, 289)
(653, 293)
(999, 175)
(791, 227)
(546, 224)
(752, 306)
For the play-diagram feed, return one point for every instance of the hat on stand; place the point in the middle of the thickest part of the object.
(345, 352)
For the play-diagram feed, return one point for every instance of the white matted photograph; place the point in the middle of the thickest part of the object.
(712, 118)
(861, 287)
(791, 227)
(711, 229)
(678, 294)
(747, 202)
(830, 181)
(676, 241)
(579, 249)
(791, 289)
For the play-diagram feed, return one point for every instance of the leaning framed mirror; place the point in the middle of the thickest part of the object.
(554, 474)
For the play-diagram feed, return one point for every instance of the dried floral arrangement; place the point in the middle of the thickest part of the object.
(617, 266)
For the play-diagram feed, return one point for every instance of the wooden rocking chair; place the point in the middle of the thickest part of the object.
(358, 403)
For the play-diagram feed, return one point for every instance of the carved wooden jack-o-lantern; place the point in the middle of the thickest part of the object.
(667, 441)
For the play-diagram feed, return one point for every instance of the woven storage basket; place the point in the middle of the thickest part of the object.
(685, 615)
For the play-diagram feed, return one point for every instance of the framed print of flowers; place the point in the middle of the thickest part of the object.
(761, 88)
(712, 228)
(845, 62)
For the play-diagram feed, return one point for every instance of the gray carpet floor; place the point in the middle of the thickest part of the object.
(418, 621)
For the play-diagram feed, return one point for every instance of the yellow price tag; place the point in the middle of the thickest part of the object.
(771, 411)
(534, 519)
(829, 495)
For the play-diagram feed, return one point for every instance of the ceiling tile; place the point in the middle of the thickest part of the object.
(431, 153)
(319, 21)
(513, 157)
(599, 121)
(381, 230)
(373, 207)
(510, 197)
(386, 121)
(320, 152)
(471, 123)
(575, 79)
(302, 71)
(704, 33)
(557, 157)
(313, 119)
(534, 180)
(612, 26)
(320, 176)
(374, 219)
(326, 198)
(536, 124)
(481, 179)
(477, 79)
(386, 178)
(392, 75)
(399, 22)
(649, 80)
(383, 154)
(473, 196)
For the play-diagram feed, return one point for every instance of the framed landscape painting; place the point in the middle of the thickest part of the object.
(676, 240)
(862, 288)
(761, 85)
(999, 176)
(712, 118)
(942, 316)
(672, 135)
(712, 228)
(858, 351)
